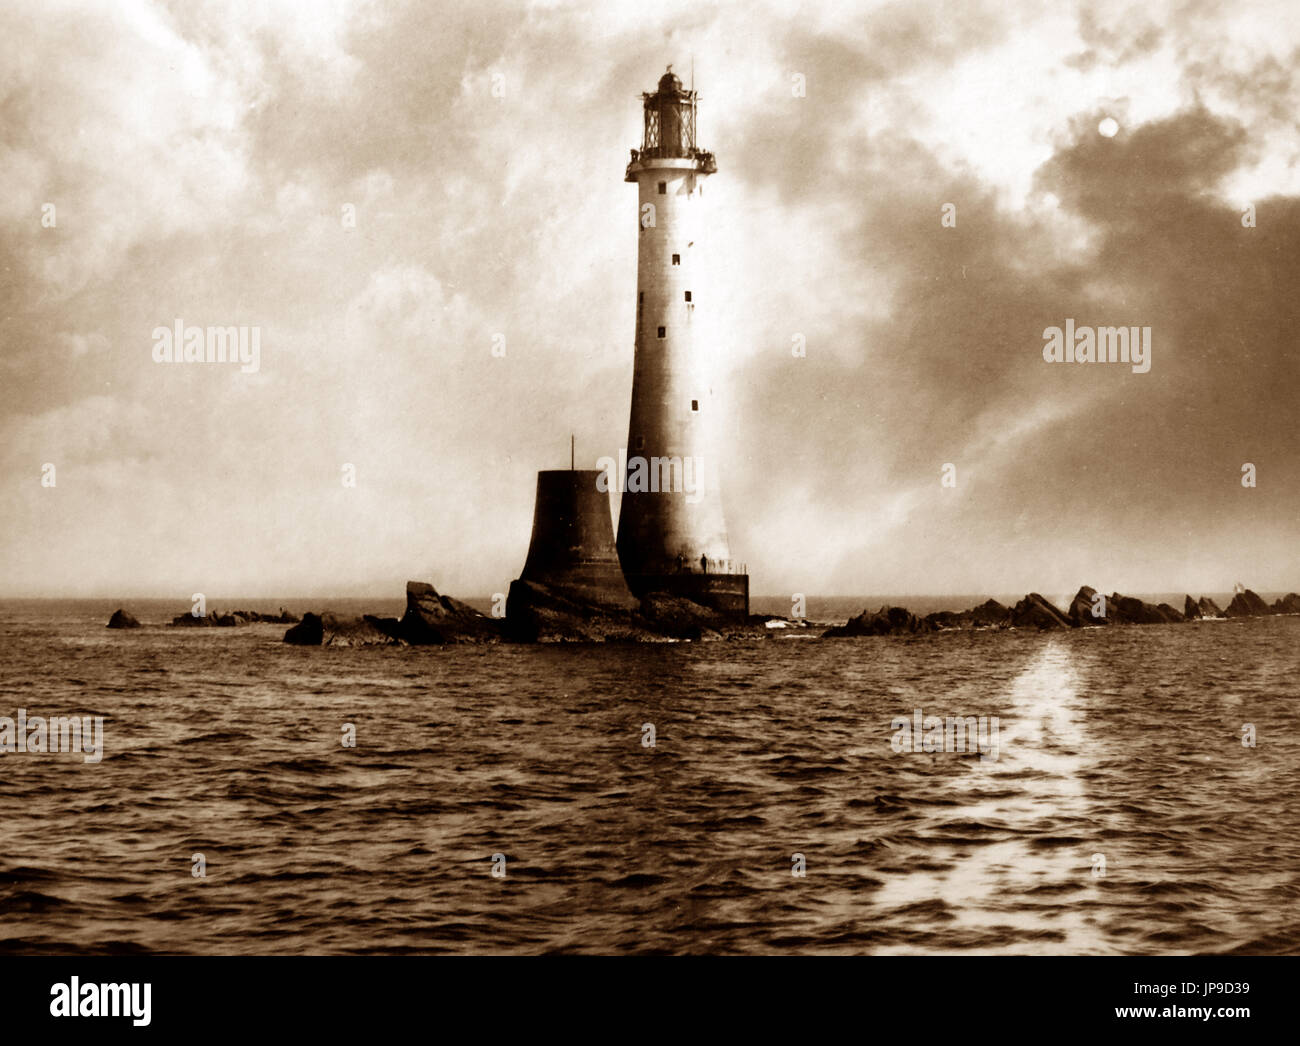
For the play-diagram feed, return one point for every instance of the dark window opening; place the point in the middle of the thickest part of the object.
(677, 259)
(663, 188)
(662, 331)
(640, 443)
(688, 295)
(640, 297)
(695, 405)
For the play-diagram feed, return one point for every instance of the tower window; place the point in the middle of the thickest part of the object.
(663, 331)
(663, 188)
(695, 405)
(640, 297)
(677, 259)
(688, 295)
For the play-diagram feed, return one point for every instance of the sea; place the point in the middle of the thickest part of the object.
(687, 798)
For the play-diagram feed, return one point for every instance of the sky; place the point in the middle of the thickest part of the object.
(388, 190)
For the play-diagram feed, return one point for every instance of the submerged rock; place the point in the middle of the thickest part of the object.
(1247, 604)
(188, 620)
(121, 619)
(310, 631)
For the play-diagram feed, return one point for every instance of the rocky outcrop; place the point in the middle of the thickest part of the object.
(1116, 609)
(233, 619)
(680, 618)
(430, 619)
(1200, 609)
(1129, 610)
(121, 619)
(366, 630)
(1288, 604)
(433, 619)
(541, 613)
(1036, 612)
(1209, 608)
(887, 621)
(250, 617)
(310, 631)
(1081, 609)
(989, 614)
(1247, 604)
(210, 620)
(536, 613)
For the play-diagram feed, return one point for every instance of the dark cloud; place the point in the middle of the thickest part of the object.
(1121, 458)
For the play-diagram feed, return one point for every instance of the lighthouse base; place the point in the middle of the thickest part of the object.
(726, 593)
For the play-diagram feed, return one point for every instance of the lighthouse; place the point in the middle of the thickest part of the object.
(672, 535)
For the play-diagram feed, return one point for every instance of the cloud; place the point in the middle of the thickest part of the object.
(385, 189)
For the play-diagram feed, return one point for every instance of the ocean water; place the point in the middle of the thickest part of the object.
(1122, 815)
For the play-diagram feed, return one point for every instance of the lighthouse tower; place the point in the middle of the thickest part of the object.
(672, 536)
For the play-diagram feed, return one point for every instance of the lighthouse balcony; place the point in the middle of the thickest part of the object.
(660, 158)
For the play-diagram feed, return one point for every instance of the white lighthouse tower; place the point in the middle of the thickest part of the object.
(672, 536)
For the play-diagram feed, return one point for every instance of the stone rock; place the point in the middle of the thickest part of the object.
(121, 619)
(310, 631)
(1288, 604)
(681, 618)
(188, 620)
(887, 621)
(1036, 612)
(432, 619)
(536, 613)
(1209, 608)
(248, 617)
(1191, 609)
(1129, 610)
(1119, 610)
(366, 630)
(1247, 604)
(1080, 612)
(989, 614)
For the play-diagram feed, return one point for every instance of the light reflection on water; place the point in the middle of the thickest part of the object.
(1124, 742)
(1041, 738)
